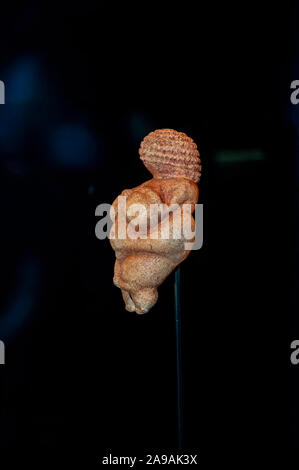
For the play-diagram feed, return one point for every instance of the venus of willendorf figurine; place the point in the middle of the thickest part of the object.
(143, 263)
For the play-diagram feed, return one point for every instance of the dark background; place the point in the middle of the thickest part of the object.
(85, 82)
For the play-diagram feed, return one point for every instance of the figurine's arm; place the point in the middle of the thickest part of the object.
(184, 192)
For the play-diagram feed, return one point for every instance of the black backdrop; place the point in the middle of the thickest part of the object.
(84, 84)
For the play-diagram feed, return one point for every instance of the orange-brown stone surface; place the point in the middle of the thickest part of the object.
(142, 263)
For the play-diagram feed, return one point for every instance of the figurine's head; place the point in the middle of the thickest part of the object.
(170, 154)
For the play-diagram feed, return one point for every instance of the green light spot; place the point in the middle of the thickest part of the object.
(227, 157)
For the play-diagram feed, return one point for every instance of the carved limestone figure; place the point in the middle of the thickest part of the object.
(143, 261)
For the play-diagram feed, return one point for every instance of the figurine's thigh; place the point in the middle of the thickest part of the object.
(145, 270)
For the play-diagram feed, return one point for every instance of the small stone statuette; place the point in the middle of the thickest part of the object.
(149, 246)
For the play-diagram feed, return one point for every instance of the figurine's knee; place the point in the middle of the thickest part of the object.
(130, 306)
(144, 299)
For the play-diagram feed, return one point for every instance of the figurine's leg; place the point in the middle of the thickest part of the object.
(117, 279)
(128, 301)
(122, 285)
(144, 299)
(144, 270)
